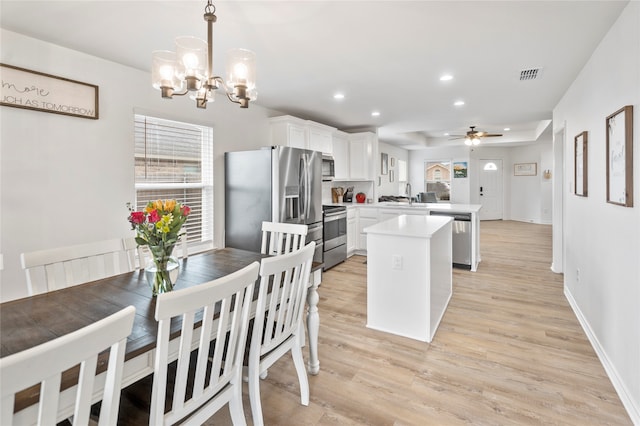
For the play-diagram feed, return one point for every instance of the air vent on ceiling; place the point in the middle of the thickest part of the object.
(530, 74)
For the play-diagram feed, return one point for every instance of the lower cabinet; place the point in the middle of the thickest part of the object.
(366, 218)
(352, 227)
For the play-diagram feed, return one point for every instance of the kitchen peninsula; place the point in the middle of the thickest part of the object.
(363, 215)
(409, 278)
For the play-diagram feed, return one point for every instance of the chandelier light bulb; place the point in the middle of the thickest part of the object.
(467, 142)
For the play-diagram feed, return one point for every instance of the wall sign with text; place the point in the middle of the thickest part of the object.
(22, 88)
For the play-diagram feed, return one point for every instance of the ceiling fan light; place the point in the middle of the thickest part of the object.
(475, 141)
(467, 141)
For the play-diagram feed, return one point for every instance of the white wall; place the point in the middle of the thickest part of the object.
(66, 180)
(525, 198)
(602, 240)
(385, 187)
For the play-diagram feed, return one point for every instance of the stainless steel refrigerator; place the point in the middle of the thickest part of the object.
(278, 184)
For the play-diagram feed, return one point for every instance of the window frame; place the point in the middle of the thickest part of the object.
(430, 163)
(200, 237)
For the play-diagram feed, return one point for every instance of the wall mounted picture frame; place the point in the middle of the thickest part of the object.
(580, 154)
(392, 162)
(27, 89)
(391, 176)
(619, 128)
(384, 163)
(525, 169)
(460, 169)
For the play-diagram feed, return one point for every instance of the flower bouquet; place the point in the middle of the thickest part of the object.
(158, 226)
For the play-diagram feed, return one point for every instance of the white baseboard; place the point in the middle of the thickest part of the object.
(632, 407)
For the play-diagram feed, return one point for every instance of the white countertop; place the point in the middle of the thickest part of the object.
(414, 226)
(462, 208)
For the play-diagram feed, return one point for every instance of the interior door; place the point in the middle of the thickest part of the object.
(491, 189)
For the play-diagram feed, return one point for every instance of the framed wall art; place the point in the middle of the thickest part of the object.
(384, 163)
(580, 152)
(619, 127)
(525, 169)
(23, 88)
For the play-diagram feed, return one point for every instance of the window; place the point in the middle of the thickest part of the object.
(438, 178)
(175, 160)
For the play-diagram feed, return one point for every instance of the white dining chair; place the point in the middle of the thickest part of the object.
(279, 238)
(53, 269)
(277, 328)
(44, 364)
(205, 380)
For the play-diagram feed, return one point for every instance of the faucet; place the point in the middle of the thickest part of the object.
(408, 189)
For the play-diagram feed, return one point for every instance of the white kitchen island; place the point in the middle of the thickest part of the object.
(409, 277)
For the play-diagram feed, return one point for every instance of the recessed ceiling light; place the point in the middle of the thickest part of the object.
(506, 129)
(446, 77)
(446, 134)
(375, 114)
(338, 96)
(458, 103)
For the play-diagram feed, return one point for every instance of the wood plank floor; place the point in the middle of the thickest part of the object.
(509, 351)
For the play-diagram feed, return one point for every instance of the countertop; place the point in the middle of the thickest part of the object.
(413, 226)
(462, 208)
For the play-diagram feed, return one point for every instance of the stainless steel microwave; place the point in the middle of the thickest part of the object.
(328, 168)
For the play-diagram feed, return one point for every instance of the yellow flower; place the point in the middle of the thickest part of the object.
(158, 205)
(169, 205)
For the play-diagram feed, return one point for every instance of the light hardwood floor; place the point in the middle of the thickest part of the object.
(509, 351)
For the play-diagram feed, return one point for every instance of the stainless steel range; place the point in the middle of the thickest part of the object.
(334, 235)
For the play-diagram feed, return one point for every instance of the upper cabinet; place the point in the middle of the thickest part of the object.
(363, 148)
(297, 133)
(341, 155)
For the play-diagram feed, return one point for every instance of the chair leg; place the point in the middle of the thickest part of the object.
(254, 395)
(298, 361)
(235, 406)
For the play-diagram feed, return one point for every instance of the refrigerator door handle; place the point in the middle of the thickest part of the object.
(303, 187)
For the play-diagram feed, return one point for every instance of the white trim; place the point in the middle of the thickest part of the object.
(612, 373)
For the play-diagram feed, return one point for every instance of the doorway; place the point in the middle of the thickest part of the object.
(491, 189)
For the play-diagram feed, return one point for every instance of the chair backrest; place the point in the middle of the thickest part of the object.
(283, 291)
(53, 269)
(279, 238)
(224, 306)
(45, 363)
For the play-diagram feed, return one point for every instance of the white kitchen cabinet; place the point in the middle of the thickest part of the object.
(341, 155)
(363, 149)
(298, 133)
(366, 217)
(320, 138)
(352, 236)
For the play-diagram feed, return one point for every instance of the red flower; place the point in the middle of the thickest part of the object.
(154, 216)
(185, 210)
(136, 218)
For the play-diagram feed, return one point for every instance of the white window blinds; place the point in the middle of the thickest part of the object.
(175, 160)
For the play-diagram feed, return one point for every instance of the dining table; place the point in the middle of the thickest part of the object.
(30, 321)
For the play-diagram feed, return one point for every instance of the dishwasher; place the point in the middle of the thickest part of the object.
(461, 237)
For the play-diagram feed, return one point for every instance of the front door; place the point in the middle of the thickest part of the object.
(491, 189)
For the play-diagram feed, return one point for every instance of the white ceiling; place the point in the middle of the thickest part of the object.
(383, 55)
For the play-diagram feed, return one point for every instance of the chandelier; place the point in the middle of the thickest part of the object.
(189, 70)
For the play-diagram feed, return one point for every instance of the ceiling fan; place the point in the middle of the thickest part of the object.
(473, 136)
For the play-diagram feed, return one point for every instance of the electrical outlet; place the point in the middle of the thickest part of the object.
(396, 261)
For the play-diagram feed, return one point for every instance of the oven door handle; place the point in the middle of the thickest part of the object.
(335, 216)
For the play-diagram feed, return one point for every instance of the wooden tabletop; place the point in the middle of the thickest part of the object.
(28, 322)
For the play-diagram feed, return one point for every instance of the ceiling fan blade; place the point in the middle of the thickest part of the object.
(490, 135)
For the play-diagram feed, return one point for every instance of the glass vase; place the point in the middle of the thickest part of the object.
(162, 270)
